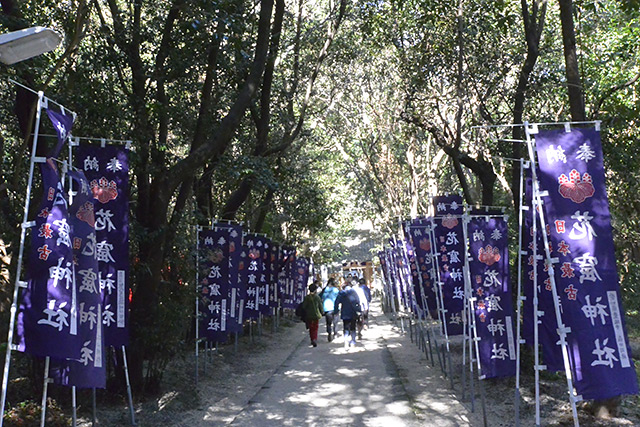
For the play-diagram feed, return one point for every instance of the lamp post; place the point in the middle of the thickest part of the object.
(24, 44)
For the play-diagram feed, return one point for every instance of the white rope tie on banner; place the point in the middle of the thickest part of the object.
(74, 141)
(63, 163)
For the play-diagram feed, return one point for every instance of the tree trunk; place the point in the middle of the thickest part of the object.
(153, 213)
(574, 83)
(203, 189)
(533, 25)
(237, 198)
(263, 210)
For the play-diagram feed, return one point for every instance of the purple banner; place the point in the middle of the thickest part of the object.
(107, 170)
(450, 248)
(265, 277)
(243, 272)
(572, 172)
(419, 230)
(286, 277)
(384, 266)
(273, 267)
(257, 292)
(87, 369)
(394, 281)
(62, 124)
(215, 283)
(398, 277)
(236, 292)
(489, 272)
(301, 276)
(47, 321)
(405, 252)
(60, 314)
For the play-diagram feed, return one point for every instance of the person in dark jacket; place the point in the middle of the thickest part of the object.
(348, 304)
(312, 306)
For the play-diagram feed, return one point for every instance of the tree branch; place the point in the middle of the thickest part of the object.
(611, 91)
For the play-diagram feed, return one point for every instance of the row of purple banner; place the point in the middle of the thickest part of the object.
(440, 284)
(244, 276)
(458, 260)
(75, 303)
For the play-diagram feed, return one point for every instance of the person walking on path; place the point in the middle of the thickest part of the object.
(349, 305)
(312, 306)
(329, 295)
(364, 305)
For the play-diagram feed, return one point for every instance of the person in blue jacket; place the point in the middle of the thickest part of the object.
(329, 295)
(348, 304)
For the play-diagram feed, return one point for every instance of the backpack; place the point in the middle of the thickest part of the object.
(300, 311)
(354, 301)
(356, 307)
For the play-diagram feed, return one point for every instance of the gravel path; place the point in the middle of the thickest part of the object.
(358, 386)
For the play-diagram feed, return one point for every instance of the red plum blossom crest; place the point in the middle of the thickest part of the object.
(104, 190)
(489, 255)
(449, 221)
(576, 188)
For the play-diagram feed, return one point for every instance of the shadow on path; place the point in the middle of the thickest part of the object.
(361, 386)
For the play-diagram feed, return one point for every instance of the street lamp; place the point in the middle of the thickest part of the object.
(24, 44)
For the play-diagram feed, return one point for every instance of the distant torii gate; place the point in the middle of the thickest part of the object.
(362, 269)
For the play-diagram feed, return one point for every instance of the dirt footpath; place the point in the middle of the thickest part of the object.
(357, 386)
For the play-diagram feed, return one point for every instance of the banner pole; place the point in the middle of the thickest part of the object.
(520, 298)
(536, 313)
(74, 413)
(93, 405)
(483, 402)
(439, 327)
(45, 387)
(129, 394)
(19, 283)
(443, 311)
(397, 283)
(435, 276)
(430, 346)
(402, 286)
(414, 308)
(205, 356)
(464, 365)
(197, 314)
(391, 284)
(471, 332)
